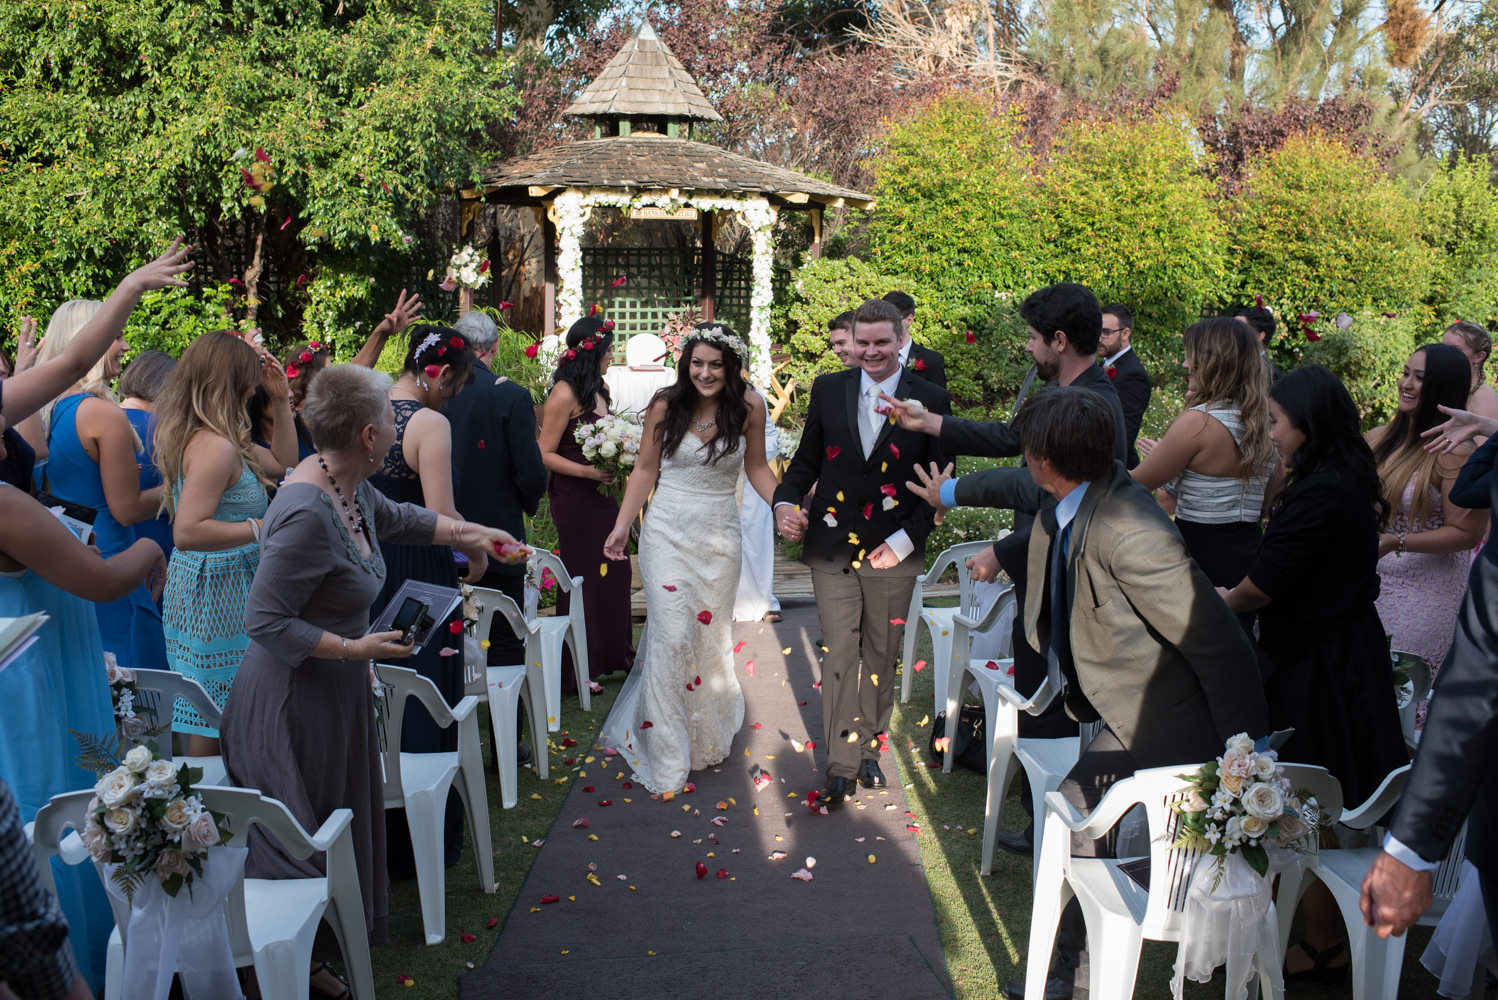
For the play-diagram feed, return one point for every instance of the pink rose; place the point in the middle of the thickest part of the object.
(202, 831)
(95, 840)
(169, 863)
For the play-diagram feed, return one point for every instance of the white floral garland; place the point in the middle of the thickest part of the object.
(573, 206)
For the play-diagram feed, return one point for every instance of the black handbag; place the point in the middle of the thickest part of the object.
(969, 744)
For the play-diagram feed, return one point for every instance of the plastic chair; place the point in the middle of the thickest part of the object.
(1376, 962)
(1420, 678)
(507, 689)
(960, 666)
(543, 654)
(1003, 705)
(159, 691)
(938, 621)
(419, 783)
(272, 922)
(1120, 913)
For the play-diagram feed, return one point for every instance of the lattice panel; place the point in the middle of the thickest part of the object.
(660, 282)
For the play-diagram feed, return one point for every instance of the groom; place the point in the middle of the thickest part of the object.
(865, 535)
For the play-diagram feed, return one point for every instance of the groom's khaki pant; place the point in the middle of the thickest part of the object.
(856, 703)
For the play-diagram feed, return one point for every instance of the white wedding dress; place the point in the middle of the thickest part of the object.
(682, 704)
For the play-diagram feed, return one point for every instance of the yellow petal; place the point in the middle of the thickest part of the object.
(536, 796)
(592, 836)
(603, 569)
(871, 859)
(875, 679)
(883, 466)
(925, 719)
(786, 651)
(839, 496)
(852, 737)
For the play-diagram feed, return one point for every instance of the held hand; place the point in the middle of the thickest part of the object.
(603, 476)
(1463, 426)
(929, 486)
(983, 567)
(1167, 500)
(616, 545)
(1145, 445)
(884, 557)
(1394, 896)
(27, 344)
(379, 646)
(912, 415)
(164, 270)
(791, 522)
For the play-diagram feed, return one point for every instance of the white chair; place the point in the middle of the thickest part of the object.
(1420, 673)
(543, 653)
(507, 688)
(1120, 913)
(272, 922)
(159, 691)
(938, 620)
(1376, 962)
(419, 783)
(960, 666)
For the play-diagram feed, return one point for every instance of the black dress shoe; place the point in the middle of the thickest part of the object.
(1056, 988)
(1015, 842)
(837, 790)
(869, 775)
(522, 753)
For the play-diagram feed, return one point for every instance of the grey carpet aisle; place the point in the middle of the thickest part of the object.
(651, 928)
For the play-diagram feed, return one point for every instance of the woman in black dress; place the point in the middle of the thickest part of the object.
(583, 512)
(1313, 585)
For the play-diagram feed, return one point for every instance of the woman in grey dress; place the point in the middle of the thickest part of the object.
(300, 721)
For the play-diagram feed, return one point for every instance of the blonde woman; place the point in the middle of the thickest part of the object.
(1216, 459)
(1476, 344)
(90, 448)
(217, 498)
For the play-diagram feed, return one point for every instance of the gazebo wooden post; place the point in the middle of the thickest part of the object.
(549, 251)
(815, 251)
(709, 267)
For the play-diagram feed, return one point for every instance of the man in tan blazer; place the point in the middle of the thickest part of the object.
(1134, 633)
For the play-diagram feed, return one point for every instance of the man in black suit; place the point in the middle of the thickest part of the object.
(1122, 366)
(1452, 780)
(925, 362)
(865, 536)
(497, 470)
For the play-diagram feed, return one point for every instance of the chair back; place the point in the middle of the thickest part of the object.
(401, 684)
(544, 559)
(158, 691)
(490, 602)
(1311, 781)
(956, 557)
(1420, 674)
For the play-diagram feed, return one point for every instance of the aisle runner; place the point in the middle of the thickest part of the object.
(644, 925)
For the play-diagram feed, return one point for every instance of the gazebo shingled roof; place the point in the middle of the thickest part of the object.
(644, 162)
(644, 78)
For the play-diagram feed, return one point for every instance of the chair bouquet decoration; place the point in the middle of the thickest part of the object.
(1240, 812)
(124, 696)
(153, 838)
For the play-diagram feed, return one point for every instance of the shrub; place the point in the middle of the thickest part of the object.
(1367, 357)
(169, 319)
(1319, 228)
(1459, 207)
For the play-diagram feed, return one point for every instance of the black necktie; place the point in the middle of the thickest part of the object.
(1059, 650)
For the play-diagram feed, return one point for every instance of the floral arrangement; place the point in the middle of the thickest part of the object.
(146, 820)
(472, 608)
(466, 269)
(677, 329)
(612, 444)
(132, 728)
(1241, 803)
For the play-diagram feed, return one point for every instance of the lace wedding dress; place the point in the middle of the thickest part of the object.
(681, 706)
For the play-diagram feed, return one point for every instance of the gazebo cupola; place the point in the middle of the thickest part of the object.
(643, 89)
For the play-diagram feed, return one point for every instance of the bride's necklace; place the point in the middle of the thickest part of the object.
(706, 425)
(350, 513)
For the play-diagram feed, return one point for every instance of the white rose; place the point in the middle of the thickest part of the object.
(116, 788)
(177, 815)
(121, 821)
(95, 840)
(202, 832)
(1292, 828)
(162, 772)
(138, 759)
(133, 727)
(1193, 802)
(1240, 744)
(1254, 827)
(1264, 767)
(1233, 831)
(1264, 801)
(608, 449)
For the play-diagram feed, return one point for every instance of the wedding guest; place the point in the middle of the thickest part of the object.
(1216, 459)
(1260, 319)
(581, 506)
(840, 337)
(28, 390)
(1314, 585)
(140, 384)
(59, 684)
(497, 473)
(1476, 344)
(925, 362)
(217, 480)
(300, 723)
(1426, 549)
(91, 462)
(1121, 365)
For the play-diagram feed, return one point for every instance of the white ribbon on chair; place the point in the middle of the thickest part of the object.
(1229, 924)
(186, 934)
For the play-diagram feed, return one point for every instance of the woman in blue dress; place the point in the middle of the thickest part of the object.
(140, 384)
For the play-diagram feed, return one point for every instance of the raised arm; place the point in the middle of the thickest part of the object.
(406, 312)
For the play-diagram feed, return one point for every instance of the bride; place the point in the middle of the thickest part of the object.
(682, 705)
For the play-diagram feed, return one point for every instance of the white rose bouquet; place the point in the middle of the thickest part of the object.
(611, 443)
(123, 693)
(146, 820)
(466, 269)
(1241, 803)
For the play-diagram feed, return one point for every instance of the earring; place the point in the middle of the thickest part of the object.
(421, 384)
(371, 458)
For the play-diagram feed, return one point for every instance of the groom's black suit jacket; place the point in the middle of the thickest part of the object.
(831, 457)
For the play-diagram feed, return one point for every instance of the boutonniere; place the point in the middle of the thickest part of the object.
(1112, 371)
(919, 365)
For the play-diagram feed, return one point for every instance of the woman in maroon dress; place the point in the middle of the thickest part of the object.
(583, 511)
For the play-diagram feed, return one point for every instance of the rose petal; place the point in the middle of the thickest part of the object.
(868, 511)
(605, 802)
(619, 281)
(701, 871)
(568, 741)
(705, 617)
(894, 450)
(740, 647)
(897, 621)
(581, 822)
(802, 874)
(918, 666)
(432, 371)
(550, 899)
(833, 451)
(970, 338)
(668, 587)
(722, 873)
(455, 626)
(646, 724)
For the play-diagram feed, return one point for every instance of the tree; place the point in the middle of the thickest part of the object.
(300, 145)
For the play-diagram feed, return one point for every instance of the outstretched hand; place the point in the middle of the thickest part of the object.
(406, 312)
(929, 486)
(26, 345)
(912, 415)
(164, 271)
(616, 545)
(1463, 426)
(983, 567)
(272, 375)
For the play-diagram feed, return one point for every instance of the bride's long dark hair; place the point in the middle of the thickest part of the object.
(681, 398)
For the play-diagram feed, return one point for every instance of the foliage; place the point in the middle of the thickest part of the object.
(1367, 357)
(170, 319)
(1459, 208)
(126, 121)
(1320, 229)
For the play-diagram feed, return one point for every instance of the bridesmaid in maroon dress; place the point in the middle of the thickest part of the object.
(584, 513)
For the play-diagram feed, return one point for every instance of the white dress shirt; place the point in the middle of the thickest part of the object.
(899, 542)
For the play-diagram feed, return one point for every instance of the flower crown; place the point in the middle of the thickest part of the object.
(718, 335)
(312, 350)
(589, 342)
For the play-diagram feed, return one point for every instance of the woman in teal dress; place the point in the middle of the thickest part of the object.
(217, 478)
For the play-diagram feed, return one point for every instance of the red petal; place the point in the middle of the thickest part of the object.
(620, 280)
(722, 873)
(467, 937)
(897, 621)
(626, 784)
(919, 666)
(260, 155)
(432, 371)
(689, 787)
(991, 665)
(701, 871)
(697, 680)
(605, 802)
(749, 668)
(894, 450)
(568, 741)
(705, 617)
(646, 724)
(481, 444)
(550, 899)
(304, 357)
(833, 451)
(759, 725)
(888, 489)
(812, 796)
(668, 587)
(493, 922)
(483, 267)
(456, 341)
(593, 309)
(455, 626)
(507, 305)
(868, 511)
(802, 704)
(970, 338)
(249, 179)
(816, 686)
(740, 647)
(292, 371)
(588, 789)
(532, 350)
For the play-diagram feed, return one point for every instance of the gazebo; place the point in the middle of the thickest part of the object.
(642, 161)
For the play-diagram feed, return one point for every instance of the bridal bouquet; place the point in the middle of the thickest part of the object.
(146, 820)
(1241, 803)
(612, 444)
(123, 694)
(466, 269)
